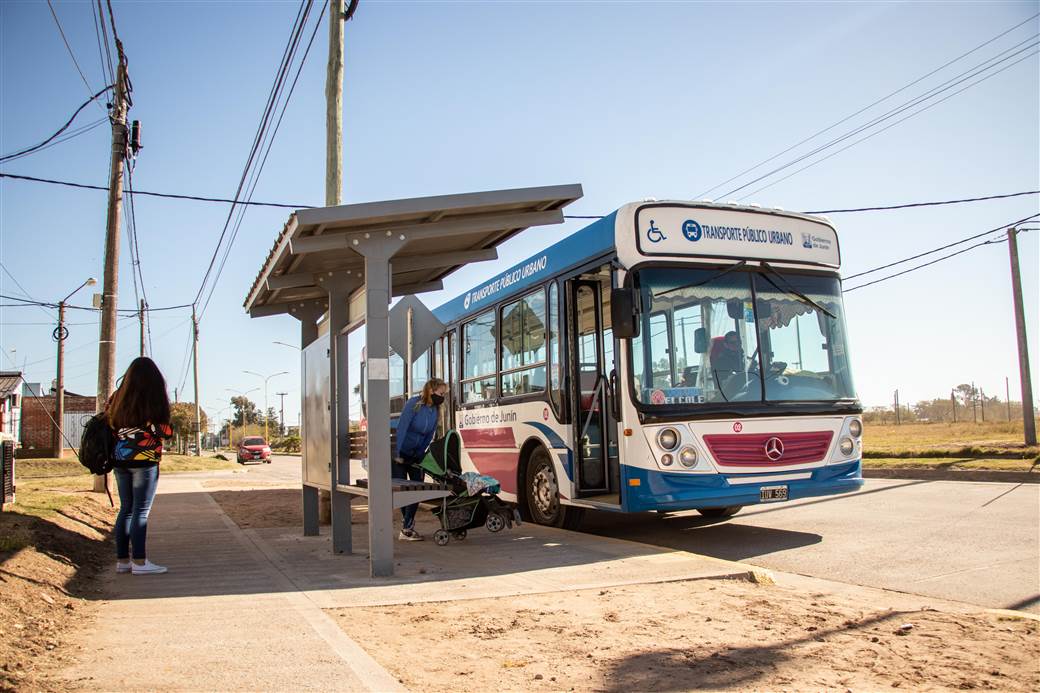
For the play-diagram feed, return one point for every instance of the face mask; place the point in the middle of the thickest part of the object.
(438, 400)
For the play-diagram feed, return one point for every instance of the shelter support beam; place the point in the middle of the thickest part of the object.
(308, 316)
(377, 253)
(340, 286)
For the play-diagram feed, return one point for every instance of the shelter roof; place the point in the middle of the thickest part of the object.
(440, 233)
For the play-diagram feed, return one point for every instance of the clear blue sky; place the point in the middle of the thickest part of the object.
(631, 100)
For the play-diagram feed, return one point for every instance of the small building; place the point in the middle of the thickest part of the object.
(37, 428)
(11, 406)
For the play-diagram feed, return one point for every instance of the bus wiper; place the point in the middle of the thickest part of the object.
(794, 292)
(705, 281)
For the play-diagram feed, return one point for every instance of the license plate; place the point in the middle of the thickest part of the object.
(770, 494)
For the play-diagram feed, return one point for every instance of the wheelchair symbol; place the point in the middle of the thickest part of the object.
(654, 234)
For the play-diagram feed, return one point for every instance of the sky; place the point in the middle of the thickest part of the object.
(630, 99)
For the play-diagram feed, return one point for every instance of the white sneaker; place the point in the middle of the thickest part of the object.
(148, 568)
(409, 535)
(122, 566)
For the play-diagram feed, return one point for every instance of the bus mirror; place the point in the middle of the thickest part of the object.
(700, 340)
(735, 308)
(624, 314)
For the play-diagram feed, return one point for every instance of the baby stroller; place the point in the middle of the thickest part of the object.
(473, 501)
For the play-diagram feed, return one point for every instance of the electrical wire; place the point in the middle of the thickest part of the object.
(869, 106)
(71, 134)
(108, 48)
(921, 98)
(60, 130)
(72, 55)
(97, 34)
(22, 289)
(125, 311)
(273, 97)
(923, 204)
(263, 161)
(926, 264)
(891, 125)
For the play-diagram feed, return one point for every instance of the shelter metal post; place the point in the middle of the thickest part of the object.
(339, 286)
(377, 253)
(308, 316)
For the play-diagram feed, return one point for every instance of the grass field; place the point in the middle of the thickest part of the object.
(51, 467)
(981, 441)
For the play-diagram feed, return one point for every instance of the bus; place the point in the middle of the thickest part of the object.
(669, 356)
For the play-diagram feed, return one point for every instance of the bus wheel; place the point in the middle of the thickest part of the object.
(720, 513)
(543, 494)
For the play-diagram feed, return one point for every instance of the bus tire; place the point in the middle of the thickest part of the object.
(543, 494)
(720, 513)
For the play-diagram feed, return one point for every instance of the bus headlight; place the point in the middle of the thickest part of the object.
(855, 428)
(666, 460)
(846, 446)
(668, 439)
(688, 457)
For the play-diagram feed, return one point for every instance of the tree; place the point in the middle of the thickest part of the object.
(182, 418)
(965, 394)
(245, 411)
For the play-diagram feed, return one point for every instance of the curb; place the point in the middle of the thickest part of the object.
(952, 475)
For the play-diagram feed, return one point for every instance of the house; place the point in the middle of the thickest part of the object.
(38, 423)
(11, 406)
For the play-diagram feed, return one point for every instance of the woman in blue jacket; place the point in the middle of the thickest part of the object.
(415, 431)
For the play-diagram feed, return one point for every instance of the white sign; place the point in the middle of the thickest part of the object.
(710, 232)
(378, 369)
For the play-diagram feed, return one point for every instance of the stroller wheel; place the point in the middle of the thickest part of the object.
(495, 522)
(441, 537)
(459, 535)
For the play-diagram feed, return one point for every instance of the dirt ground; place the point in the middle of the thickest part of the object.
(694, 635)
(53, 542)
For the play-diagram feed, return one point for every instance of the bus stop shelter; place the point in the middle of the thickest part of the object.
(332, 267)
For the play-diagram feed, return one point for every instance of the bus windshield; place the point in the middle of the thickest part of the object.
(739, 334)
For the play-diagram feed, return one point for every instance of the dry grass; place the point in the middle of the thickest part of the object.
(52, 467)
(962, 440)
(955, 463)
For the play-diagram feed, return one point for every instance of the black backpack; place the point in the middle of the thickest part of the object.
(97, 446)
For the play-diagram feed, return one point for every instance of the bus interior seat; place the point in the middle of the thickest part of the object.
(588, 381)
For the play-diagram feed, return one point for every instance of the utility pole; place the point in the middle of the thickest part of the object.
(195, 368)
(982, 404)
(953, 406)
(1007, 396)
(281, 412)
(59, 386)
(974, 403)
(110, 289)
(896, 405)
(140, 317)
(1028, 420)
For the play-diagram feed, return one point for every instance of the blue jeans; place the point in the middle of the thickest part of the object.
(136, 491)
(408, 471)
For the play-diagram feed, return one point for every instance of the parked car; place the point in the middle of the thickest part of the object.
(254, 448)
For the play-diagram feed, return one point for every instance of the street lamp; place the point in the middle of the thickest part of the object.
(291, 346)
(266, 378)
(60, 334)
(231, 421)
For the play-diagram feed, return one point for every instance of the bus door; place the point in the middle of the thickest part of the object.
(595, 428)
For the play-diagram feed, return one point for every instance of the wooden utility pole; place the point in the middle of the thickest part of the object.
(1028, 417)
(953, 406)
(140, 318)
(281, 412)
(110, 289)
(1007, 396)
(59, 385)
(195, 368)
(895, 404)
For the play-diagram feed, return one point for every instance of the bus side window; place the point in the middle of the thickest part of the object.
(555, 365)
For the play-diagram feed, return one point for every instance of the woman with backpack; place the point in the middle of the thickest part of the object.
(139, 415)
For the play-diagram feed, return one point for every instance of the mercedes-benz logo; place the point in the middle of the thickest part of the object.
(774, 448)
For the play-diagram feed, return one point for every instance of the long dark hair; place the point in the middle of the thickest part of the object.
(141, 399)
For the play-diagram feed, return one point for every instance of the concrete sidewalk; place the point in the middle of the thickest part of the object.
(244, 610)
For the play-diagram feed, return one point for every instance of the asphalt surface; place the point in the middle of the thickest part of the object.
(973, 542)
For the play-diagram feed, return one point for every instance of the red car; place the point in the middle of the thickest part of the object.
(254, 448)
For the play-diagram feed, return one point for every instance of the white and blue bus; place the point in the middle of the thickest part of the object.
(669, 356)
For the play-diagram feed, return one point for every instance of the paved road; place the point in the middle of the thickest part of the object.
(966, 541)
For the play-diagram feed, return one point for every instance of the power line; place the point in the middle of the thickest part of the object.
(108, 48)
(923, 204)
(891, 125)
(263, 161)
(22, 289)
(930, 252)
(71, 134)
(869, 106)
(258, 139)
(125, 311)
(72, 55)
(60, 130)
(915, 101)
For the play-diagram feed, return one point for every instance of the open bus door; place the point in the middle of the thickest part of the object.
(596, 470)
